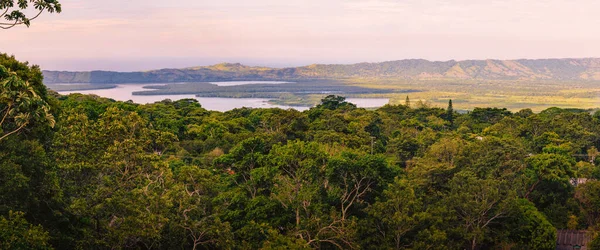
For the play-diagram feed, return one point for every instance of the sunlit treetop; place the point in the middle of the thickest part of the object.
(22, 12)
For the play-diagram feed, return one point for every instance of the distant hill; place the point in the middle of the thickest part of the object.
(587, 69)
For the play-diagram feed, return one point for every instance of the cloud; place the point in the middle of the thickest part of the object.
(310, 30)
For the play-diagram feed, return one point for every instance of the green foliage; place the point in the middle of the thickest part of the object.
(550, 168)
(334, 102)
(397, 215)
(479, 204)
(17, 233)
(530, 228)
(172, 175)
(588, 195)
(21, 102)
(14, 11)
(595, 243)
(28, 180)
(484, 117)
(194, 213)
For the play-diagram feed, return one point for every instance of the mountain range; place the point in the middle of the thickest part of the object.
(586, 69)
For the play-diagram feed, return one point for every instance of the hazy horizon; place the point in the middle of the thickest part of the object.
(152, 34)
(283, 65)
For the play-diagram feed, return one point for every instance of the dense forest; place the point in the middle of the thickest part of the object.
(83, 172)
(264, 90)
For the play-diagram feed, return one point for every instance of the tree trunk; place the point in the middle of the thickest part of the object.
(297, 217)
(531, 189)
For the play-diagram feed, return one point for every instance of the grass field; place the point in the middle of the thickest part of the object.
(465, 94)
(513, 95)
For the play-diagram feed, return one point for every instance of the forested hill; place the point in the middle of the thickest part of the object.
(85, 172)
(543, 69)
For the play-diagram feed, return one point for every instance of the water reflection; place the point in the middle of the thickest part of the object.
(124, 92)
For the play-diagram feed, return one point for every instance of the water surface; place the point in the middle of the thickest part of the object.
(237, 83)
(124, 92)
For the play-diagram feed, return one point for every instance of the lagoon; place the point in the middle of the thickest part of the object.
(124, 92)
(238, 83)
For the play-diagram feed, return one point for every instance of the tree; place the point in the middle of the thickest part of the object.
(20, 103)
(17, 233)
(14, 11)
(28, 180)
(242, 162)
(353, 177)
(529, 228)
(400, 212)
(334, 102)
(592, 154)
(113, 180)
(407, 102)
(480, 118)
(301, 166)
(195, 213)
(450, 113)
(299, 186)
(548, 167)
(588, 196)
(478, 204)
(403, 148)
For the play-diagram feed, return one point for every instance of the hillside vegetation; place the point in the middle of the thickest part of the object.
(544, 69)
(83, 172)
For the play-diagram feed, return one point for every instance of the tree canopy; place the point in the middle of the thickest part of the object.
(173, 175)
(23, 98)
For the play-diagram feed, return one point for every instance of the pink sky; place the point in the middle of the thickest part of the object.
(149, 34)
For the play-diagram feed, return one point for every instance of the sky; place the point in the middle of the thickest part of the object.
(129, 35)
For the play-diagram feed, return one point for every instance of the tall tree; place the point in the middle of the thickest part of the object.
(354, 177)
(334, 102)
(121, 189)
(397, 214)
(478, 204)
(21, 104)
(450, 113)
(528, 228)
(299, 188)
(194, 214)
(548, 167)
(588, 196)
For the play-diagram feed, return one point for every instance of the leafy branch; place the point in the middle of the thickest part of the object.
(14, 11)
(19, 104)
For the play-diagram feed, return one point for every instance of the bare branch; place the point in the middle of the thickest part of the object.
(14, 131)
(23, 20)
(6, 114)
(4, 13)
(9, 25)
